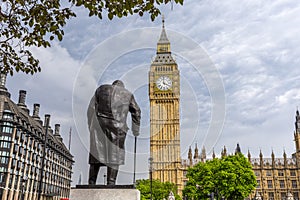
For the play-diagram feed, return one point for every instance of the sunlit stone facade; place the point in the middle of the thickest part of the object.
(164, 94)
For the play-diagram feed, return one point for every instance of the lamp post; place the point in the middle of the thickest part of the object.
(47, 119)
(150, 171)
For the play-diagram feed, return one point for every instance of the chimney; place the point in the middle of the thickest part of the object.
(57, 127)
(22, 99)
(3, 81)
(56, 132)
(47, 124)
(47, 120)
(36, 110)
(3, 89)
(35, 115)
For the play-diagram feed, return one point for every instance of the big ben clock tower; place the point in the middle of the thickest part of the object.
(164, 93)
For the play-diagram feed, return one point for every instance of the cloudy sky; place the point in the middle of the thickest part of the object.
(239, 76)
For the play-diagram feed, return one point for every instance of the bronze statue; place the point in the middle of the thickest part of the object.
(107, 115)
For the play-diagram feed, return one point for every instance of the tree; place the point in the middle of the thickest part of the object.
(230, 177)
(26, 23)
(160, 190)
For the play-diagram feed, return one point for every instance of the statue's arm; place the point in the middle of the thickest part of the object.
(135, 111)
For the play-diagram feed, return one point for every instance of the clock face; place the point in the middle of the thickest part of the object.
(164, 83)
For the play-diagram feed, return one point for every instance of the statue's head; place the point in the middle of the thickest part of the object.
(118, 83)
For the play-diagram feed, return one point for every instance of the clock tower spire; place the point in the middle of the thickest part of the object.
(164, 94)
(163, 44)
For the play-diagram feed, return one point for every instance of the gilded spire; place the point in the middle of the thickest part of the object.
(163, 36)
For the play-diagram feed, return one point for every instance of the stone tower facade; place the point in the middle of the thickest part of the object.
(164, 94)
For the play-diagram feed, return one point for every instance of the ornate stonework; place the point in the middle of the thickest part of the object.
(164, 94)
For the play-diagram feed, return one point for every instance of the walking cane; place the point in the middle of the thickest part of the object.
(134, 165)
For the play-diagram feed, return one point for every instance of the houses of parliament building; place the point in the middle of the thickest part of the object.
(277, 178)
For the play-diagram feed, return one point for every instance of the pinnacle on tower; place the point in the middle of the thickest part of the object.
(273, 155)
(163, 39)
(163, 44)
(190, 156)
(224, 152)
(249, 155)
(203, 154)
(238, 149)
(260, 154)
(196, 155)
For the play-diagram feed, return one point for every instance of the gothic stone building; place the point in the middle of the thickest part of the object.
(164, 94)
(277, 178)
(23, 174)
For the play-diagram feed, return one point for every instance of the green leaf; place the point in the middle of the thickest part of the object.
(110, 16)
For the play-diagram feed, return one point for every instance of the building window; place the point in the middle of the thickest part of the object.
(6, 129)
(4, 153)
(4, 160)
(18, 133)
(269, 173)
(270, 184)
(271, 196)
(280, 173)
(2, 169)
(5, 138)
(5, 144)
(257, 173)
(258, 183)
(283, 196)
(293, 173)
(281, 183)
(294, 184)
(296, 195)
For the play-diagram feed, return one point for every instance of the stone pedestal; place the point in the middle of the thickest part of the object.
(99, 192)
